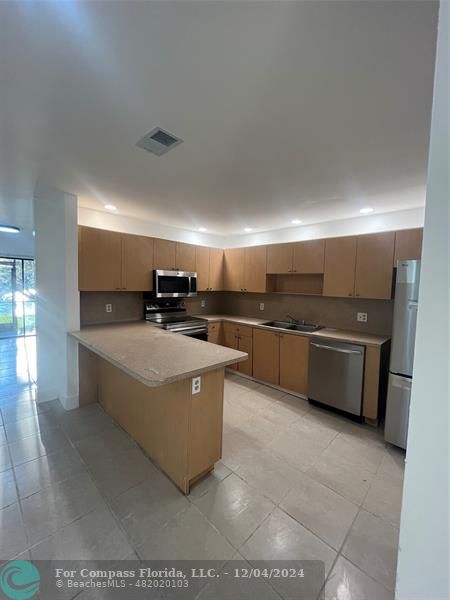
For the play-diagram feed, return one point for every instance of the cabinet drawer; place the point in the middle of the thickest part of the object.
(242, 330)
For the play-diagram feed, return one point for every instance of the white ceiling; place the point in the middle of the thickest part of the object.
(306, 110)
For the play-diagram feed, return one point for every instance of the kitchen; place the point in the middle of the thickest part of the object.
(235, 215)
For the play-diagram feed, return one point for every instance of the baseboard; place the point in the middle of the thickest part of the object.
(70, 402)
(271, 385)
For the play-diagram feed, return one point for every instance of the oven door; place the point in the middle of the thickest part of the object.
(172, 284)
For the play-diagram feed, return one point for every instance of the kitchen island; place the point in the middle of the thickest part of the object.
(164, 389)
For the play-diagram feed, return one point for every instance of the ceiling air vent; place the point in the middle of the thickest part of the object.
(158, 141)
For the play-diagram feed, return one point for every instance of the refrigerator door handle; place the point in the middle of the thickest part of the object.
(401, 382)
(413, 304)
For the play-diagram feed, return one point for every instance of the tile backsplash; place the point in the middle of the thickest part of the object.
(339, 313)
(129, 306)
(329, 312)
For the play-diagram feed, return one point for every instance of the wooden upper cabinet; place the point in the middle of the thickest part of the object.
(340, 264)
(294, 361)
(233, 269)
(202, 268)
(215, 269)
(374, 256)
(280, 258)
(408, 245)
(100, 260)
(255, 266)
(165, 255)
(266, 356)
(185, 257)
(137, 263)
(309, 256)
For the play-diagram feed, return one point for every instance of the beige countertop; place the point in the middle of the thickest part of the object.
(357, 337)
(152, 355)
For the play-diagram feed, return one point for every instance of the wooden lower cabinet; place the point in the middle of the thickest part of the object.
(181, 432)
(266, 356)
(215, 333)
(245, 344)
(294, 361)
(239, 337)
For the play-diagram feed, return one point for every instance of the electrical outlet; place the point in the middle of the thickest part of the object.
(109, 308)
(361, 317)
(196, 385)
(261, 306)
(203, 303)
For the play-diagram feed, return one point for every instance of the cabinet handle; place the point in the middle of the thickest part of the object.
(356, 294)
(350, 294)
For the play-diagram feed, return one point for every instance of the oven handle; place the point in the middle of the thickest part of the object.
(188, 331)
(341, 350)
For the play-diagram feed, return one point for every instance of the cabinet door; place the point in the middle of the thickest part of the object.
(100, 260)
(202, 267)
(245, 344)
(216, 269)
(255, 266)
(185, 257)
(309, 256)
(233, 270)
(294, 357)
(137, 263)
(165, 255)
(279, 258)
(408, 245)
(215, 333)
(374, 256)
(230, 339)
(266, 356)
(340, 263)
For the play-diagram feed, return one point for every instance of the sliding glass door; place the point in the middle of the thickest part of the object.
(17, 297)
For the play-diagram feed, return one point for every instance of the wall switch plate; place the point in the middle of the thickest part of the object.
(196, 385)
(203, 303)
(261, 306)
(361, 317)
(109, 308)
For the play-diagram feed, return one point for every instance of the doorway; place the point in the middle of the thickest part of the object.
(17, 328)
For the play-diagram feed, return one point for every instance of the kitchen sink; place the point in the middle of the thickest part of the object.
(306, 327)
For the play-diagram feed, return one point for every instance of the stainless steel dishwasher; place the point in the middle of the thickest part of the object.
(335, 376)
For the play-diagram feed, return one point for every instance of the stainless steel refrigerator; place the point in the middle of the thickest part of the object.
(402, 352)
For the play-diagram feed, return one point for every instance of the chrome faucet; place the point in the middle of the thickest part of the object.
(296, 321)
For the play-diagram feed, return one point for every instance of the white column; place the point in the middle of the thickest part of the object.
(58, 302)
(423, 568)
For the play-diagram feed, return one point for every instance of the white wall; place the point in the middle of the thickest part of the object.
(57, 298)
(403, 219)
(17, 245)
(392, 221)
(423, 568)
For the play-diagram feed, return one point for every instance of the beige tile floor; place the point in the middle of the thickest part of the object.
(295, 482)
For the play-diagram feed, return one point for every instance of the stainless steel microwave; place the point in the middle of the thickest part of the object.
(174, 284)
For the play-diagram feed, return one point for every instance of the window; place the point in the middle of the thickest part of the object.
(17, 297)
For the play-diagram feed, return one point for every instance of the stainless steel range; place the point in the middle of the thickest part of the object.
(172, 315)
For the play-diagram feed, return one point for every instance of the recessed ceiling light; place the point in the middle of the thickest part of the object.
(110, 207)
(9, 229)
(248, 229)
(366, 211)
(295, 221)
(202, 229)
